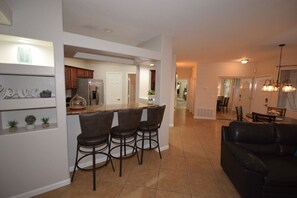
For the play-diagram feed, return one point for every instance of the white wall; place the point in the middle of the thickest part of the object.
(34, 162)
(144, 82)
(207, 82)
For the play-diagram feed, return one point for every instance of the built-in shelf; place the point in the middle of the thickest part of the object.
(21, 69)
(27, 103)
(25, 130)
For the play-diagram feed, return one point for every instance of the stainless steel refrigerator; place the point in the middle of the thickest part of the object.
(92, 90)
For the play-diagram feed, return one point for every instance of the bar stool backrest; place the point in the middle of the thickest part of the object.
(155, 116)
(129, 119)
(95, 124)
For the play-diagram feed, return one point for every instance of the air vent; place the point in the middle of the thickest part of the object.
(204, 113)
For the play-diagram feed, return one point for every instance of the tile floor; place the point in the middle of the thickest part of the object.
(189, 168)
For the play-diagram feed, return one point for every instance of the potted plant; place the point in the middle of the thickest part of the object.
(151, 96)
(45, 123)
(45, 94)
(13, 125)
(30, 120)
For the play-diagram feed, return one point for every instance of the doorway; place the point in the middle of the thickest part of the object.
(181, 93)
(114, 87)
(239, 91)
(131, 92)
(261, 99)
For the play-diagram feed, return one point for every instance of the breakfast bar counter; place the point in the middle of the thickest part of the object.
(112, 107)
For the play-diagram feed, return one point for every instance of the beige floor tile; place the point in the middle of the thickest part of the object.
(167, 194)
(130, 191)
(173, 180)
(189, 168)
(141, 176)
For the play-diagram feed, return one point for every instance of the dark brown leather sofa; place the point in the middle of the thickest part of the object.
(261, 159)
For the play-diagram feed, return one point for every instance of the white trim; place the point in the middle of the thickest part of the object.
(44, 189)
(164, 148)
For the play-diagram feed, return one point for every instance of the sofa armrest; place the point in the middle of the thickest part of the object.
(246, 158)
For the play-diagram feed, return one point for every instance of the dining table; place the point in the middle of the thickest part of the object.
(278, 119)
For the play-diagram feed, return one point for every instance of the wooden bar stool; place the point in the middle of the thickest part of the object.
(93, 140)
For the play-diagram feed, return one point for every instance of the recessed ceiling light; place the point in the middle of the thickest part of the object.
(152, 64)
(244, 61)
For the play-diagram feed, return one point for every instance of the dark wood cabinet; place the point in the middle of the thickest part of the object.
(72, 73)
(153, 79)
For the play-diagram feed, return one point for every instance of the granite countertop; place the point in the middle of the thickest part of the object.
(113, 107)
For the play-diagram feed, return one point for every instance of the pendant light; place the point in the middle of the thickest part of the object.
(270, 85)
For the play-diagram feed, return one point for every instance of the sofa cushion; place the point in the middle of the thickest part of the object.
(272, 148)
(286, 133)
(256, 133)
(286, 136)
(246, 159)
(282, 170)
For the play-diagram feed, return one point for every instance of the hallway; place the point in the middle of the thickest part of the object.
(189, 168)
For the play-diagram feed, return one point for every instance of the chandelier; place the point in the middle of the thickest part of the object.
(271, 85)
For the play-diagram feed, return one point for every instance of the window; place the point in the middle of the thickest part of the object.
(288, 100)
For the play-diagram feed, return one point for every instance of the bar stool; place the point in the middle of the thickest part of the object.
(149, 129)
(124, 135)
(94, 139)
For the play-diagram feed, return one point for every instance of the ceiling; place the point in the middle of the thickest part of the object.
(202, 30)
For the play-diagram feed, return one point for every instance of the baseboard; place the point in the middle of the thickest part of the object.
(43, 189)
(204, 118)
(163, 148)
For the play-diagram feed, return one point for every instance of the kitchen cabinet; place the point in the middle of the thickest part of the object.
(153, 79)
(72, 73)
(70, 77)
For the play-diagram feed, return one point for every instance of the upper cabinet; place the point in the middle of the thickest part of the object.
(72, 73)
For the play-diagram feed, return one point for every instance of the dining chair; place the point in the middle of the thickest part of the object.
(219, 102)
(258, 117)
(239, 114)
(93, 140)
(224, 104)
(277, 111)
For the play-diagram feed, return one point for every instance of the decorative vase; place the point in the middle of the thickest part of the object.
(30, 126)
(151, 99)
(45, 125)
(13, 129)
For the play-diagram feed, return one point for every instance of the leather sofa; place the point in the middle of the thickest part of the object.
(260, 158)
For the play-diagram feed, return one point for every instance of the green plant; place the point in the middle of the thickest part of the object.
(151, 92)
(30, 119)
(12, 123)
(45, 120)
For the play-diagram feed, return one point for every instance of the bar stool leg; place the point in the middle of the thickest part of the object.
(142, 147)
(94, 169)
(121, 155)
(75, 164)
(159, 145)
(135, 147)
(150, 138)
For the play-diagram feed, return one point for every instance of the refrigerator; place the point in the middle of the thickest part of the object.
(92, 90)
